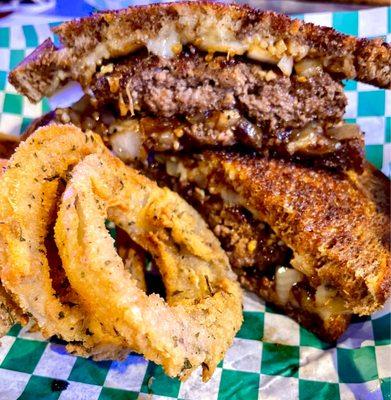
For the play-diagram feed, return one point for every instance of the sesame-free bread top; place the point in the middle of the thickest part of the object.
(163, 28)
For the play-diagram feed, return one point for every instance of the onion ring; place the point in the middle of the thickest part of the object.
(203, 310)
(10, 313)
(134, 258)
(29, 192)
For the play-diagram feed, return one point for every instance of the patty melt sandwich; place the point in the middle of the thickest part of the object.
(241, 112)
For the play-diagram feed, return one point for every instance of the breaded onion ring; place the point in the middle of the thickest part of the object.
(28, 201)
(10, 313)
(203, 310)
(134, 262)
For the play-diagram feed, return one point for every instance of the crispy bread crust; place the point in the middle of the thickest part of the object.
(90, 40)
(338, 227)
(36, 74)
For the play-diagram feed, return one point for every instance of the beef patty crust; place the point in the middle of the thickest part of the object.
(195, 83)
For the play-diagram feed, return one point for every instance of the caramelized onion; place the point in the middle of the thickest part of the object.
(259, 54)
(286, 65)
(328, 302)
(344, 132)
(249, 134)
(219, 120)
(126, 142)
(308, 67)
(310, 140)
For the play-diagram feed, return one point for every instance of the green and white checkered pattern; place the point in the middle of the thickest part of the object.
(272, 357)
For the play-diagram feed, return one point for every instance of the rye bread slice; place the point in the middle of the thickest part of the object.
(213, 27)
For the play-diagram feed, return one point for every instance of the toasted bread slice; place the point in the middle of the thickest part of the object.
(163, 28)
(337, 225)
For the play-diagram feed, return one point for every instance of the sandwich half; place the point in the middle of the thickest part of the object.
(241, 112)
(205, 74)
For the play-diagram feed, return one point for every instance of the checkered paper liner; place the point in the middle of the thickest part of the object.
(272, 356)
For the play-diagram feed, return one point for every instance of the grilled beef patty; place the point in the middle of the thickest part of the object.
(198, 101)
(195, 83)
(201, 100)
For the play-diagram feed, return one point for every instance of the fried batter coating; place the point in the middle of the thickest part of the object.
(29, 193)
(10, 313)
(203, 310)
(88, 297)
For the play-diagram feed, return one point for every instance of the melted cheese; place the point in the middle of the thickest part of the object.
(177, 169)
(328, 302)
(230, 197)
(165, 43)
(285, 279)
